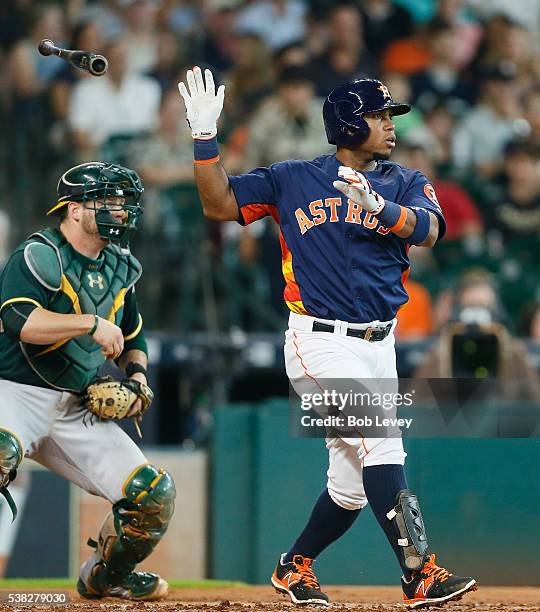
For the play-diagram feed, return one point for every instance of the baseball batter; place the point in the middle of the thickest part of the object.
(68, 304)
(346, 223)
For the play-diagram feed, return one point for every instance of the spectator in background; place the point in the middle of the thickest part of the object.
(530, 323)
(407, 55)
(30, 72)
(218, 35)
(5, 246)
(292, 55)
(288, 125)
(169, 60)
(515, 211)
(440, 122)
(384, 22)
(85, 35)
(531, 113)
(106, 14)
(441, 78)
(277, 22)
(141, 20)
(507, 46)
(524, 12)
(250, 80)
(116, 104)
(463, 220)
(484, 130)
(344, 57)
(415, 317)
(25, 134)
(468, 31)
(165, 158)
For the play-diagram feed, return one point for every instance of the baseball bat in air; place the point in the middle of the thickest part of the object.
(84, 60)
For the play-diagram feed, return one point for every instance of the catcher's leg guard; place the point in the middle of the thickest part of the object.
(127, 536)
(11, 455)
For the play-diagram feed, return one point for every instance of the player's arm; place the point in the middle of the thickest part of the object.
(203, 107)
(134, 359)
(410, 224)
(417, 225)
(25, 295)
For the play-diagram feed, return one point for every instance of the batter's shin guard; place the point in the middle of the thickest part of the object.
(11, 455)
(412, 536)
(136, 524)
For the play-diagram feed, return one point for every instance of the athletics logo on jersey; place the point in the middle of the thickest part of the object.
(92, 282)
(430, 193)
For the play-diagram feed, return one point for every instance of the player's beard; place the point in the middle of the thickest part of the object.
(380, 156)
(89, 224)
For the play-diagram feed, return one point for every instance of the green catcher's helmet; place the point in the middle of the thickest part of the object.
(99, 181)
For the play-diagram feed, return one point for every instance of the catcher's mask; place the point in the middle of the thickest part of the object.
(113, 187)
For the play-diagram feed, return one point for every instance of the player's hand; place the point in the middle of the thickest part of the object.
(356, 187)
(109, 336)
(203, 104)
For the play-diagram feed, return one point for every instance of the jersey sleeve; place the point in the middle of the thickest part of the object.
(421, 194)
(19, 285)
(132, 325)
(256, 193)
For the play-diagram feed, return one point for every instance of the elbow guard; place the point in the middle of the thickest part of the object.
(422, 227)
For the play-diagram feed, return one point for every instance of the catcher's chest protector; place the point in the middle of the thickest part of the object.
(82, 286)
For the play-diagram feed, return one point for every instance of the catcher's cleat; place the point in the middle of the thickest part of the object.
(95, 583)
(434, 585)
(297, 580)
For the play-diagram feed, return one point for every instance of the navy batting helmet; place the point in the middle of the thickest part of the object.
(344, 109)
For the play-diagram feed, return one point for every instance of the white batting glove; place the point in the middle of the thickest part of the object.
(203, 104)
(356, 188)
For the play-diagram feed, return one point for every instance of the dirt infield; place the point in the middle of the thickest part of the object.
(346, 599)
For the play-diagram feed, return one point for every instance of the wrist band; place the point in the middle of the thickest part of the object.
(390, 215)
(421, 229)
(400, 223)
(95, 326)
(135, 368)
(205, 151)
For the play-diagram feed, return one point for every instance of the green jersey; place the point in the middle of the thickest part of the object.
(47, 272)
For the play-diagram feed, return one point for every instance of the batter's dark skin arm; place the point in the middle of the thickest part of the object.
(217, 198)
(410, 224)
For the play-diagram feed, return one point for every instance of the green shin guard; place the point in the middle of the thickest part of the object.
(132, 530)
(11, 455)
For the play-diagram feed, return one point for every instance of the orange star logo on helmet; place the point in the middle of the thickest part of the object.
(385, 90)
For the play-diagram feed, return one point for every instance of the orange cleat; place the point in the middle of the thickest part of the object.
(297, 580)
(434, 585)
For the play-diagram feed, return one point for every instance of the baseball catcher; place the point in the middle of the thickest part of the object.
(67, 304)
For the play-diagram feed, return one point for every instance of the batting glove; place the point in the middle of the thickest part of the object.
(356, 188)
(203, 104)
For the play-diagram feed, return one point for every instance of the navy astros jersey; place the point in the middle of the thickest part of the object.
(339, 262)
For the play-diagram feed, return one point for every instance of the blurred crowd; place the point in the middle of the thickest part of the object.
(469, 68)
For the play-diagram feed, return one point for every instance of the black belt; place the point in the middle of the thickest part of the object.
(371, 334)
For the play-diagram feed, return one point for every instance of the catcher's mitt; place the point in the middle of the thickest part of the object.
(110, 399)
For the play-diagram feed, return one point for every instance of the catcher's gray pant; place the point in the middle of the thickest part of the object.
(50, 425)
